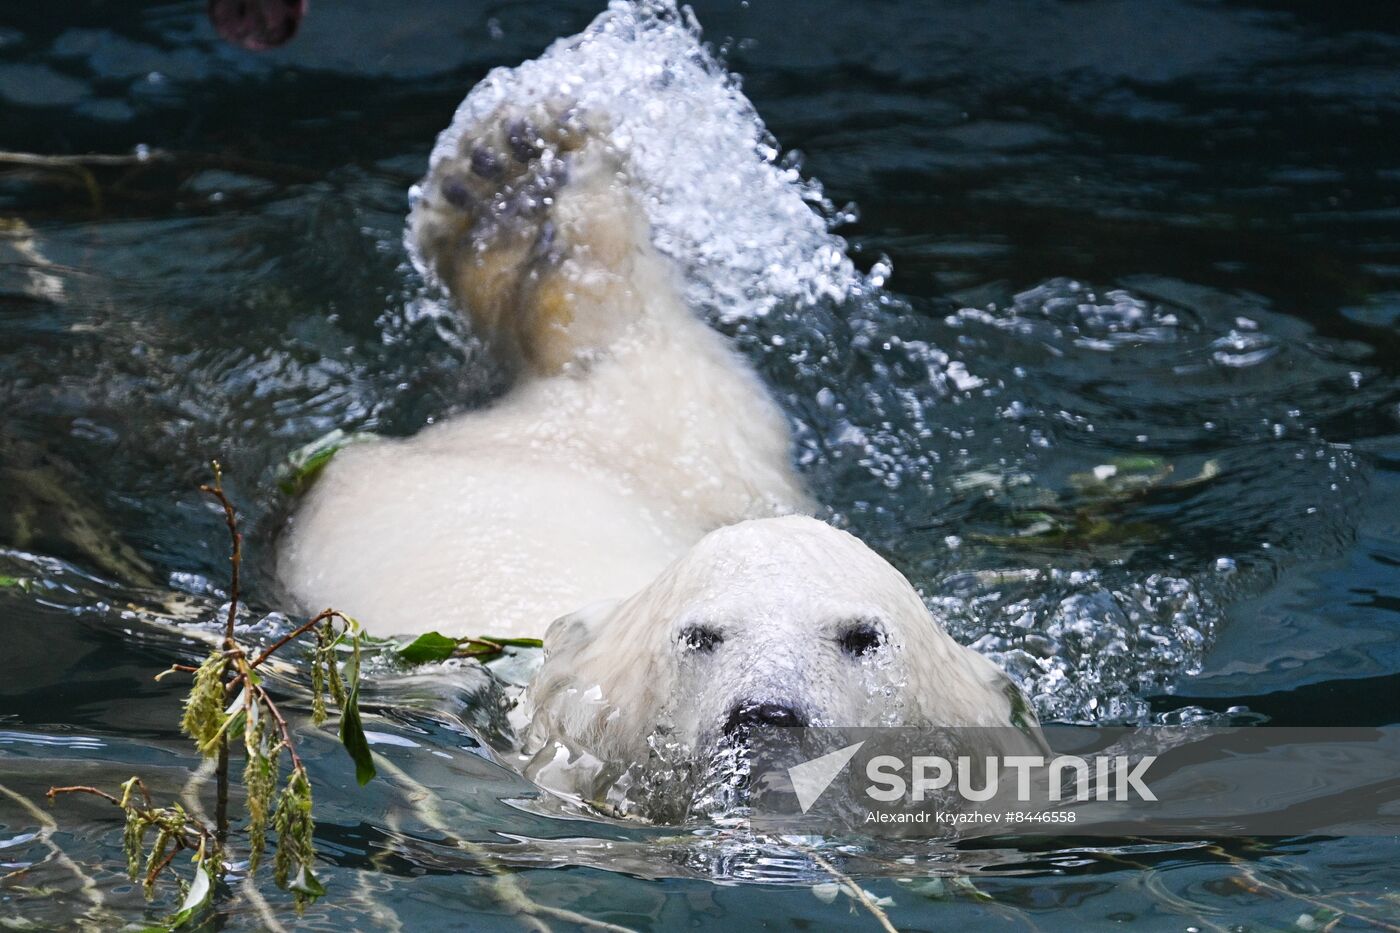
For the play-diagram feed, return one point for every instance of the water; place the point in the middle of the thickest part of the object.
(1126, 409)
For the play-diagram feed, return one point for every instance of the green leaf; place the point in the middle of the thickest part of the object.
(22, 583)
(1139, 464)
(352, 730)
(427, 648)
(200, 889)
(303, 465)
(1022, 716)
(305, 883)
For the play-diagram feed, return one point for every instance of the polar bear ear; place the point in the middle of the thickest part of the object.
(569, 633)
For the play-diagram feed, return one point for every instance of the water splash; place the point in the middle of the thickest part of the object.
(1081, 480)
(748, 229)
(952, 441)
(1085, 645)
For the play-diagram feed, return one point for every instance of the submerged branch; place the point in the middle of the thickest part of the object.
(854, 890)
(81, 170)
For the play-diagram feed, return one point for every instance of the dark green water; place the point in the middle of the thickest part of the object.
(1167, 232)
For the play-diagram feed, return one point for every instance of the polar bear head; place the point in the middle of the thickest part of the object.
(780, 621)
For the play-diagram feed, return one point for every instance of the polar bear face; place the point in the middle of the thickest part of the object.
(775, 622)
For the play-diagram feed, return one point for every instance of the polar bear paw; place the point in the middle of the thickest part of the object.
(531, 226)
(505, 173)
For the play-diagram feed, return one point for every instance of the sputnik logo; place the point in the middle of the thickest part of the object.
(811, 778)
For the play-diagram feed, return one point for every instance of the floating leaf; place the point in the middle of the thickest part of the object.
(427, 648)
(1139, 464)
(932, 888)
(488, 647)
(305, 464)
(1209, 471)
(19, 583)
(352, 730)
(964, 886)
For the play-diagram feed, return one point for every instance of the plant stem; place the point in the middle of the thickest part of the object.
(81, 789)
(854, 890)
(282, 727)
(297, 633)
(230, 643)
(221, 789)
(165, 863)
(182, 839)
(236, 557)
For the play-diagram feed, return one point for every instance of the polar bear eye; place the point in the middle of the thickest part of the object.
(861, 638)
(701, 638)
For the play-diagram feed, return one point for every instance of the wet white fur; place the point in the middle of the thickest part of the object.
(574, 487)
(780, 592)
(638, 468)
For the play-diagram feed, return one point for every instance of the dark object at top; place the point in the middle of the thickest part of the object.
(257, 24)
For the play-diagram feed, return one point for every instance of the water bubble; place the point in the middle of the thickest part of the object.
(707, 171)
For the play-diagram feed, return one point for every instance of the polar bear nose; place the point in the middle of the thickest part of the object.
(747, 715)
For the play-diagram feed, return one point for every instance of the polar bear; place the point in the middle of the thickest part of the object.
(632, 428)
(634, 484)
(769, 622)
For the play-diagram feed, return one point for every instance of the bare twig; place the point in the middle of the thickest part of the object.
(79, 168)
(71, 165)
(37, 160)
(281, 721)
(853, 889)
(322, 616)
(165, 863)
(81, 789)
(176, 669)
(230, 643)
(1253, 877)
(236, 557)
(424, 803)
